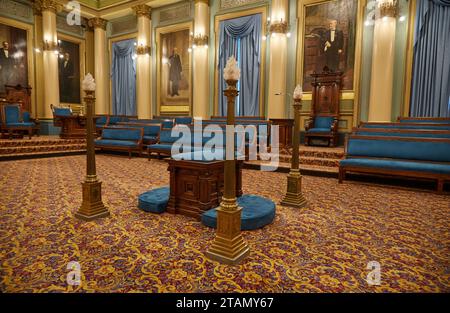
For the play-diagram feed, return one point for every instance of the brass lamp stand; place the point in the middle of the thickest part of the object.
(92, 206)
(229, 246)
(294, 196)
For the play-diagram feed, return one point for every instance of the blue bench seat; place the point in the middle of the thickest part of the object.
(115, 138)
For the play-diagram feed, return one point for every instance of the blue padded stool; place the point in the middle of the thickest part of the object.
(256, 213)
(154, 200)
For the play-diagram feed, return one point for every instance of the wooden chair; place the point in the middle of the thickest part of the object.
(323, 122)
(12, 121)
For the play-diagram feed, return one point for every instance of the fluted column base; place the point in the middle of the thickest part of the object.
(92, 206)
(294, 196)
(229, 246)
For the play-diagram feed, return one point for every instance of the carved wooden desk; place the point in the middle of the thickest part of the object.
(197, 186)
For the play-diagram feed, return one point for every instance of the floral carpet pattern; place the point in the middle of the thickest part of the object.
(324, 247)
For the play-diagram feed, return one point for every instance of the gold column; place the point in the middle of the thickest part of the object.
(380, 103)
(229, 246)
(50, 56)
(201, 63)
(92, 206)
(143, 62)
(39, 64)
(101, 65)
(277, 60)
(294, 196)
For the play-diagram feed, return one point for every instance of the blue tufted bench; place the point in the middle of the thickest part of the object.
(154, 200)
(438, 120)
(400, 132)
(120, 138)
(151, 130)
(435, 126)
(427, 158)
(256, 213)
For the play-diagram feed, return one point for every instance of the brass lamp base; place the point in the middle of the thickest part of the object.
(294, 196)
(92, 206)
(229, 246)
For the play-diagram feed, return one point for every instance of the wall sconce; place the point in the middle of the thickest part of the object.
(387, 8)
(51, 46)
(199, 40)
(143, 50)
(277, 27)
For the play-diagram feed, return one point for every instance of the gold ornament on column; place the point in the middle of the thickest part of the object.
(92, 206)
(294, 196)
(97, 22)
(143, 10)
(229, 246)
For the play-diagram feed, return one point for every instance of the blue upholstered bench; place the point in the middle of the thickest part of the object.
(418, 126)
(151, 130)
(154, 200)
(421, 133)
(256, 212)
(436, 120)
(427, 158)
(120, 138)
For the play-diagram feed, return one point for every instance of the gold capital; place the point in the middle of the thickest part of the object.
(143, 10)
(97, 22)
(40, 6)
(202, 1)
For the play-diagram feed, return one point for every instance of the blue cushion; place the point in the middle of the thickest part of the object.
(323, 122)
(118, 143)
(101, 120)
(23, 124)
(62, 111)
(167, 123)
(114, 119)
(318, 130)
(256, 213)
(183, 120)
(121, 134)
(400, 149)
(160, 146)
(147, 138)
(398, 165)
(154, 200)
(26, 116)
(166, 136)
(12, 114)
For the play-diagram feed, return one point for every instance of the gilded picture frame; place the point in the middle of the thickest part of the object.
(351, 116)
(174, 90)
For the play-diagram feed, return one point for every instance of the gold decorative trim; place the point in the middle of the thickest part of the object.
(143, 10)
(97, 22)
(50, 46)
(47, 5)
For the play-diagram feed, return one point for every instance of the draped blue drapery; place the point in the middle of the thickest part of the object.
(241, 38)
(123, 76)
(430, 89)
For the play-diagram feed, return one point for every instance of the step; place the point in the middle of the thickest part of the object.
(304, 168)
(312, 161)
(16, 156)
(39, 142)
(41, 149)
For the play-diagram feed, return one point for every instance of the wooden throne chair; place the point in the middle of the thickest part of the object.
(323, 121)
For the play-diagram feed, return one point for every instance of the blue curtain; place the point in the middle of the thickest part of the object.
(123, 76)
(241, 38)
(430, 90)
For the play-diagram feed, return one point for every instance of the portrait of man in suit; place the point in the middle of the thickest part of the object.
(175, 72)
(333, 43)
(69, 72)
(6, 63)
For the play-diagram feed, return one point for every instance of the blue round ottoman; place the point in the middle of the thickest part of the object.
(256, 213)
(154, 200)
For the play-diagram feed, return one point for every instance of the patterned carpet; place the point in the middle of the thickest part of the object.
(322, 248)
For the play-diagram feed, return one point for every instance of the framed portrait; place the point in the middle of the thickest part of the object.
(69, 70)
(329, 40)
(174, 69)
(13, 57)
